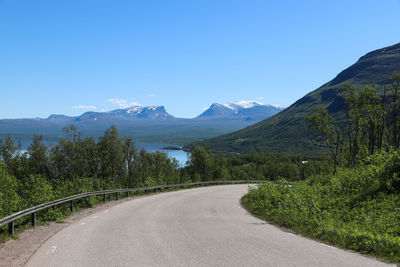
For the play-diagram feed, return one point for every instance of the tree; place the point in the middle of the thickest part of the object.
(395, 111)
(9, 154)
(90, 158)
(111, 155)
(323, 123)
(201, 163)
(374, 114)
(9, 199)
(130, 154)
(75, 156)
(38, 160)
(355, 121)
(365, 124)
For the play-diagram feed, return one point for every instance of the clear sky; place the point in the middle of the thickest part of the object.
(71, 56)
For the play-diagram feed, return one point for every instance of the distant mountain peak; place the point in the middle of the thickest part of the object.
(242, 104)
(54, 117)
(243, 109)
(140, 112)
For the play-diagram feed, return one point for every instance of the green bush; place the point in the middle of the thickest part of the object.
(9, 200)
(357, 208)
(35, 190)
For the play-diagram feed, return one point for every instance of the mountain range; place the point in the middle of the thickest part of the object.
(146, 123)
(286, 132)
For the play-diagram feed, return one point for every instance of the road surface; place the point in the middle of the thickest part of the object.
(197, 227)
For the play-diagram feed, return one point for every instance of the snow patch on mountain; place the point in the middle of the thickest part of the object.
(243, 104)
(276, 106)
(134, 109)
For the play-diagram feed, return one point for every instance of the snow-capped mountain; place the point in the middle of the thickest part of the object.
(132, 113)
(216, 110)
(243, 104)
(245, 110)
(152, 112)
(138, 112)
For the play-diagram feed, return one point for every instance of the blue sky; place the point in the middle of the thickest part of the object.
(68, 57)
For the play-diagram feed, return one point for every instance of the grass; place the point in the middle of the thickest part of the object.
(370, 226)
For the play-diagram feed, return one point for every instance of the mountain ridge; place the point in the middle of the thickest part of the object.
(159, 112)
(143, 123)
(286, 132)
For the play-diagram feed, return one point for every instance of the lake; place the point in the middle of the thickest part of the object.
(180, 155)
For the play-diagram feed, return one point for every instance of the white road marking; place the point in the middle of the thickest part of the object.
(69, 234)
(51, 250)
(95, 217)
(106, 211)
(83, 223)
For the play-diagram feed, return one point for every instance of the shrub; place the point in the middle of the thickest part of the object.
(357, 208)
(9, 199)
(35, 190)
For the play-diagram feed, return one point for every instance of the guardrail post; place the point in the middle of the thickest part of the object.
(104, 198)
(33, 217)
(71, 206)
(137, 192)
(116, 196)
(11, 228)
(54, 208)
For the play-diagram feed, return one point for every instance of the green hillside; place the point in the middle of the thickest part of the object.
(287, 131)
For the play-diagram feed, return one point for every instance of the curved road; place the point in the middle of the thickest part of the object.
(197, 227)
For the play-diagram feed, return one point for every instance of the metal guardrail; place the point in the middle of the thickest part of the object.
(52, 204)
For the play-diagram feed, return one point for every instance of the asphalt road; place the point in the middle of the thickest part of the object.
(197, 227)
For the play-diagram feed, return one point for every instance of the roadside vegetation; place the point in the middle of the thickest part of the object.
(357, 206)
(80, 164)
(75, 165)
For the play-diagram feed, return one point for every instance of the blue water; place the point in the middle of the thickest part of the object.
(180, 155)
